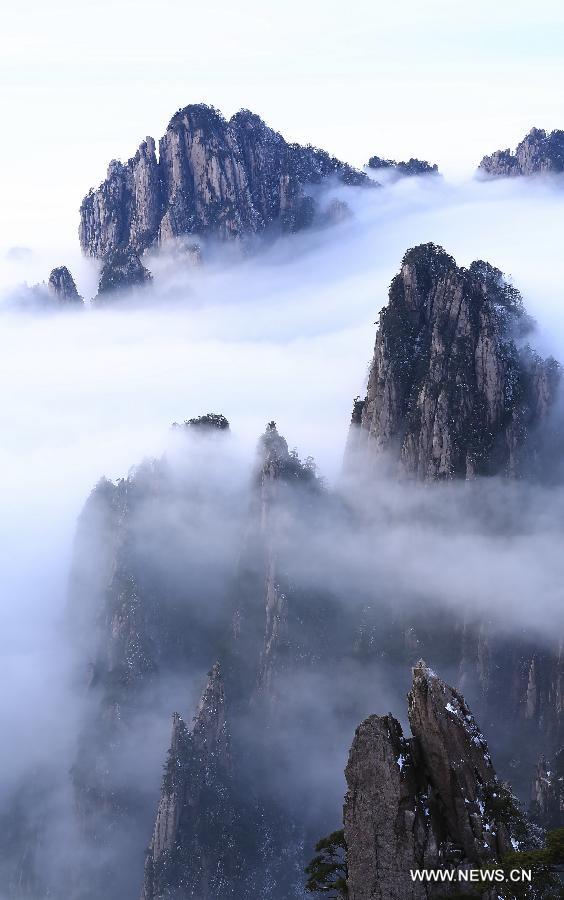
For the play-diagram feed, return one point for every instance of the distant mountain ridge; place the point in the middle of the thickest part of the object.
(402, 169)
(540, 152)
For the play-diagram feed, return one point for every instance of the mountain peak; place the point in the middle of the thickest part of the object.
(402, 169)
(432, 800)
(225, 179)
(207, 423)
(452, 392)
(210, 723)
(191, 846)
(540, 152)
(61, 284)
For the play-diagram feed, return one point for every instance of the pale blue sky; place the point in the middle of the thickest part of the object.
(84, 82)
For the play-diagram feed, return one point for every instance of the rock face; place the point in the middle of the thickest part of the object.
(192, 853)
(61, 285)
(212, 177)
(452, 391)
(172, 573)
(547, 796)
(517, 686)
(402, 169)
(432, 800)
(122, 271)
(124, 211)
(58, 293)
(137, 578)
(159, 597)
(274, 625)
(539, 152)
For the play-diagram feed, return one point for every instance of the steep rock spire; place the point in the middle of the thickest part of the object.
(125, 211)
(455, 753)
(452, 392)
(61, 285)
(265, 623)
(432, 800)
(193, 847)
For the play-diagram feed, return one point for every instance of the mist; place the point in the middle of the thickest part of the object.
(284, 334)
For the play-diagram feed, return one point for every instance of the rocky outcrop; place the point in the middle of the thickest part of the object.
(453, 391)
(547, 795)
(59, 293)
(157, 599)
(403, 169)
(192, 853)
(137, 618)
(62, 287)
(539, 152)
(205, 424)
(122, 271)
(165, 599)
(516, 683)
(271, 617)
(125, 211)
(432, 800)
(212, 177)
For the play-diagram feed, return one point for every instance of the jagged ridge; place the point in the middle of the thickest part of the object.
(411, 167)
(539, 152)
(211, 177)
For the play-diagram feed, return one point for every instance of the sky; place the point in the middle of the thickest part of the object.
(84, 83)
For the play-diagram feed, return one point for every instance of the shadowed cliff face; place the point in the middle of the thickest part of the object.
(122, 270)
(212, 177)
(158, 609)
(547, 793)
(62, 286)
(283, 631)
(289, 585)
(193, 850)
(432, 800)
(452, 391)
(538, 153)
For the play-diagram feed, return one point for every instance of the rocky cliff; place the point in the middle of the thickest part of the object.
(226, 179)
(547, 794)
(148, 603)
(122, 271)
(170, 574)
(159, 597)
(432, 800)
(193, 852)
(453, 389)
(539, 152)
(267, 623)
(62, 287)
(58, 293)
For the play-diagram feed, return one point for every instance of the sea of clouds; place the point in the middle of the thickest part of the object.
(284, 334)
